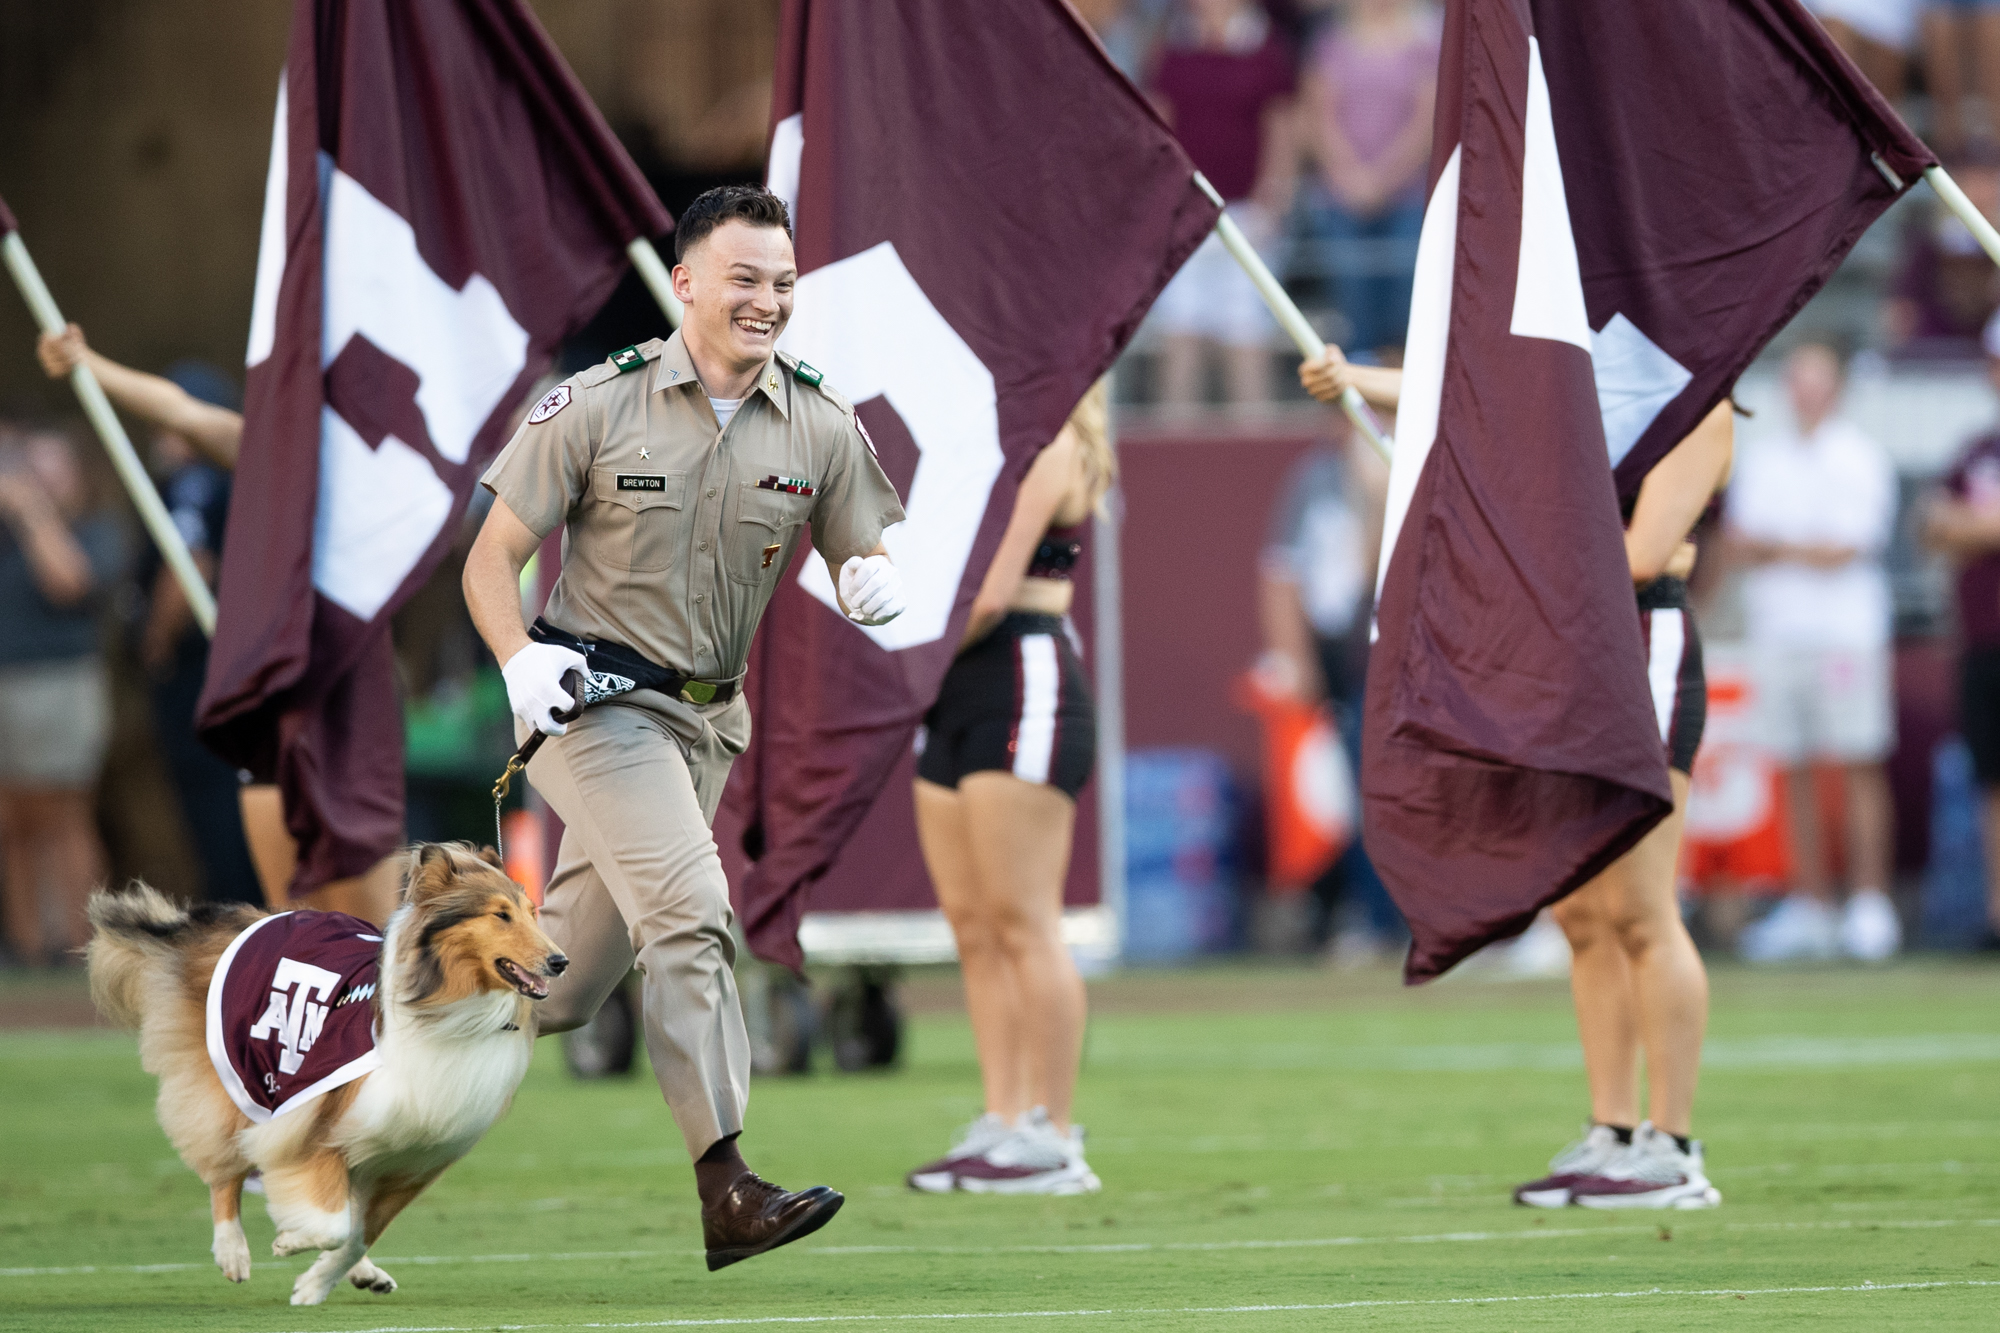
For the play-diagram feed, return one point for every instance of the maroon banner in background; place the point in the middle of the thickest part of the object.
(444, 207)
(985, 211)
(1704, 223)
(1602, 254)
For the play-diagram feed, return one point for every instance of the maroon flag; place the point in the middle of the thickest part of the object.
(1604, 251)
(985, 210)
(444, 206)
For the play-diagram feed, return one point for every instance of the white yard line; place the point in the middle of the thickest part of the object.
(1133, 1247)
(741, 1321)
(1340, 1143)
(1115, 1050)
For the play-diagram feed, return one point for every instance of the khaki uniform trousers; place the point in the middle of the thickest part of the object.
(636, 783)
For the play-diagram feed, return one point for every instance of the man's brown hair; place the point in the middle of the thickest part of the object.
(728, 203)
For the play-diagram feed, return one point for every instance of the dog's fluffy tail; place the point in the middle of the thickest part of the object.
(132, 928)
(137, 928)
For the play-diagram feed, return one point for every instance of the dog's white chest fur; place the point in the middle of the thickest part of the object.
(444, 1080)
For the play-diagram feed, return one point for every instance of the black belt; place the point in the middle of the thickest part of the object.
(613, 669)
(616, 669)
(1665, 593)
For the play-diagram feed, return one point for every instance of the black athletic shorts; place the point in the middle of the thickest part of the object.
(1979, 711)
(1016, 702)
(1673, 669)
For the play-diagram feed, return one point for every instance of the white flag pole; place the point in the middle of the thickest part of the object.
(1955, 200)
(1108, 597)
(655, 274)
(1290, 316)
(123, 457)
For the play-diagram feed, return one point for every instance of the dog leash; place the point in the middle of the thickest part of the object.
(573, 681)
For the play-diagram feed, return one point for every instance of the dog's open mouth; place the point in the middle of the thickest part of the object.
(522, 980)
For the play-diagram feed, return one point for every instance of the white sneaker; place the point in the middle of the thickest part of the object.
(1653, 1173)
(1542, 950)
(973, 1141)
(1357, 948)
(1036, 1158)
(1799, 928)
(1592, 1155)
(1870, 930)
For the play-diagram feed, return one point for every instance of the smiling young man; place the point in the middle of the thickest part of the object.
(684, 472)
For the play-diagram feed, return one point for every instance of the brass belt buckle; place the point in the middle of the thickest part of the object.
(698, 692)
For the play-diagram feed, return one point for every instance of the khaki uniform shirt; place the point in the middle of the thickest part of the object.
(677, 532)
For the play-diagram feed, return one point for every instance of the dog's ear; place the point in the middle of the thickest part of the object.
(491, 857)
(430, 873)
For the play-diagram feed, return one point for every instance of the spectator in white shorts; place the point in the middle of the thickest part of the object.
(1811, 513)
(1224, 80)
(60, 560)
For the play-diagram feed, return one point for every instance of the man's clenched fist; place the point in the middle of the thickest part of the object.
(872, 590)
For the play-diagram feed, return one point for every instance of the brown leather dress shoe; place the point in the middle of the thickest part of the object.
(753, 1216)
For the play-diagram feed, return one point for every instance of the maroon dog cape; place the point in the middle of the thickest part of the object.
(289, 1010)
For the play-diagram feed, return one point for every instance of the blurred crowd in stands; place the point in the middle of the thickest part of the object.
(102, 775)
(1867, 490)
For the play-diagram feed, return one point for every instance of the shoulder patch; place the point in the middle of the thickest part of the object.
(554, 401)
(628, 359)
(815, 378)
(866, 438)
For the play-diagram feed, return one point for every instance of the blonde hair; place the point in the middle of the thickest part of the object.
(1091, 424)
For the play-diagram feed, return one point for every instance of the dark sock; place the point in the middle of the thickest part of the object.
(1686, 1144)
(1624, 1133)
(718, 1168)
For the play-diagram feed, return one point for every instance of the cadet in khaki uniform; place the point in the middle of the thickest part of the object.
(683, 473)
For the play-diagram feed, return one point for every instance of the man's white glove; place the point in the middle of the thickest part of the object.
(872, 589)
(534, 685)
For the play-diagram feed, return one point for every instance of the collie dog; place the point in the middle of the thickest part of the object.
(449, 997)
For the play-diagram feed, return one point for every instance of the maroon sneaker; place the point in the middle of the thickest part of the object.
(1656, 1172)
(1036, 1158)
(973, 1142)
(1597, 1152)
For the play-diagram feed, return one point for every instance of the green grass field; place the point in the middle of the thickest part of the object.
(1280, 1149)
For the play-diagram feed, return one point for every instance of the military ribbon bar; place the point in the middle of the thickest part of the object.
(789, 485)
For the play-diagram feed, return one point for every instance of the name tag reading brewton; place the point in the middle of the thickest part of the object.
(641, 481)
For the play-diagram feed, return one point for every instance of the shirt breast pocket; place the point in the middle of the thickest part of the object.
(636, 523)
(761, 537)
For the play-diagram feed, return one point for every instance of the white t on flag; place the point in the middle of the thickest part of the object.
(422, 257)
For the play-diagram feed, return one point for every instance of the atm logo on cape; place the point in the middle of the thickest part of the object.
(297, 1010)
(554, 401)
